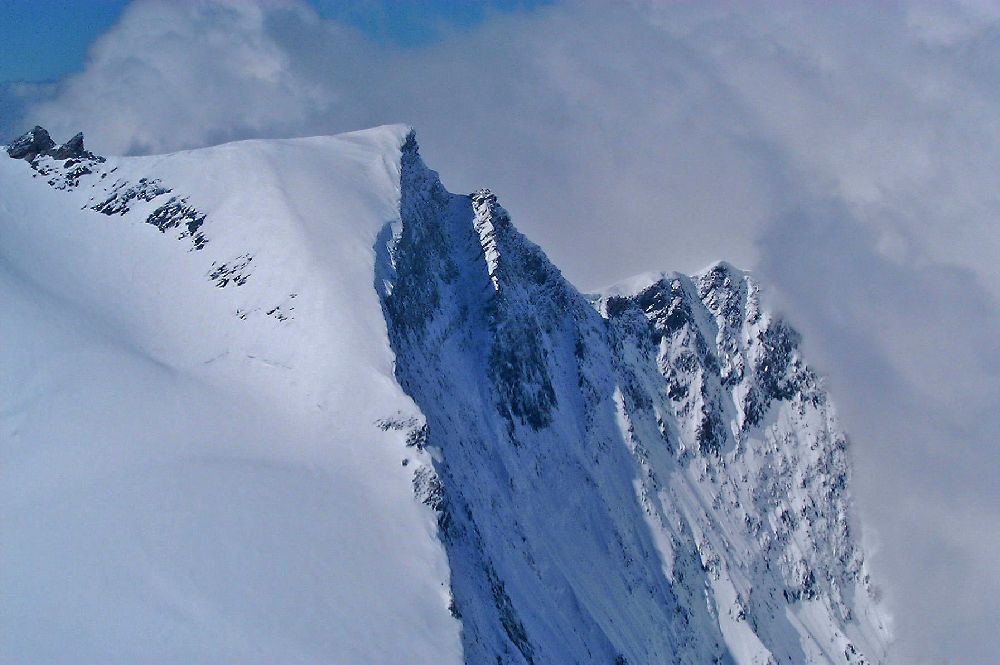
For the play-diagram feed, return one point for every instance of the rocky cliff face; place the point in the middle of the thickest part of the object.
(651, 474)
(647, 475)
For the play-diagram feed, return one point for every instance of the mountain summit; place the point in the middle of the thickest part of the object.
(293, 401)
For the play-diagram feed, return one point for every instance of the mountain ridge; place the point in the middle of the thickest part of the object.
(668, 435)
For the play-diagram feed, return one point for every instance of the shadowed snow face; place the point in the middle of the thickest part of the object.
(848, 153)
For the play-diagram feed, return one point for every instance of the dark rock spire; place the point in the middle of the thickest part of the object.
(71, 148)
(37, 142)
(30, 144)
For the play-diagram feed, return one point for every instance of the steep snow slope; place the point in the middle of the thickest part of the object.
(292, 401)
(191, 472)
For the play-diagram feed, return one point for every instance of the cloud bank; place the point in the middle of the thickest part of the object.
(848, 153)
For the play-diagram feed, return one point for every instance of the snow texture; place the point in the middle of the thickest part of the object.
(222, 444)
(192, 474)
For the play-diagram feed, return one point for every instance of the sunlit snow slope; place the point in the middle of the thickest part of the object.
(190, 467)
(292, 401)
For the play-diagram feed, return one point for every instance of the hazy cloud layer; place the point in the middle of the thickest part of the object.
(849, 153)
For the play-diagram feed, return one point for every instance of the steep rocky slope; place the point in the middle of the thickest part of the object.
(648, 475)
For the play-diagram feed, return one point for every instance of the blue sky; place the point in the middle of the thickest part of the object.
(42, 40)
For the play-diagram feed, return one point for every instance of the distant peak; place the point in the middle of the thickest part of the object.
(633, 285)
(715, 273)
(721, 269)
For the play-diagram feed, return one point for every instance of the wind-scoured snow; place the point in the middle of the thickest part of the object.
(292, 401)
(187, 476)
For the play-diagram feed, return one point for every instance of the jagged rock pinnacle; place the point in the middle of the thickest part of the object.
(37, 142)
(30, 144)
(71, 148)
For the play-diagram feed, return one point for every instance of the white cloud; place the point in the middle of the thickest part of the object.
(174, 75)
(849, 152)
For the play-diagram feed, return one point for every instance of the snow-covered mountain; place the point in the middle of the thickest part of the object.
(292, 401)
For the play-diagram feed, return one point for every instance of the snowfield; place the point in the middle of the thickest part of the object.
(293, 402)
(181, 484)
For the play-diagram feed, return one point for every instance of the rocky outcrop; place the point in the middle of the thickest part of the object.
(31, 144)
(72, 148)
(65, 166)
(37, 142)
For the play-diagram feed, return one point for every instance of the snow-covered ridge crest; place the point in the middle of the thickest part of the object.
(192, 467)
(352, 415)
